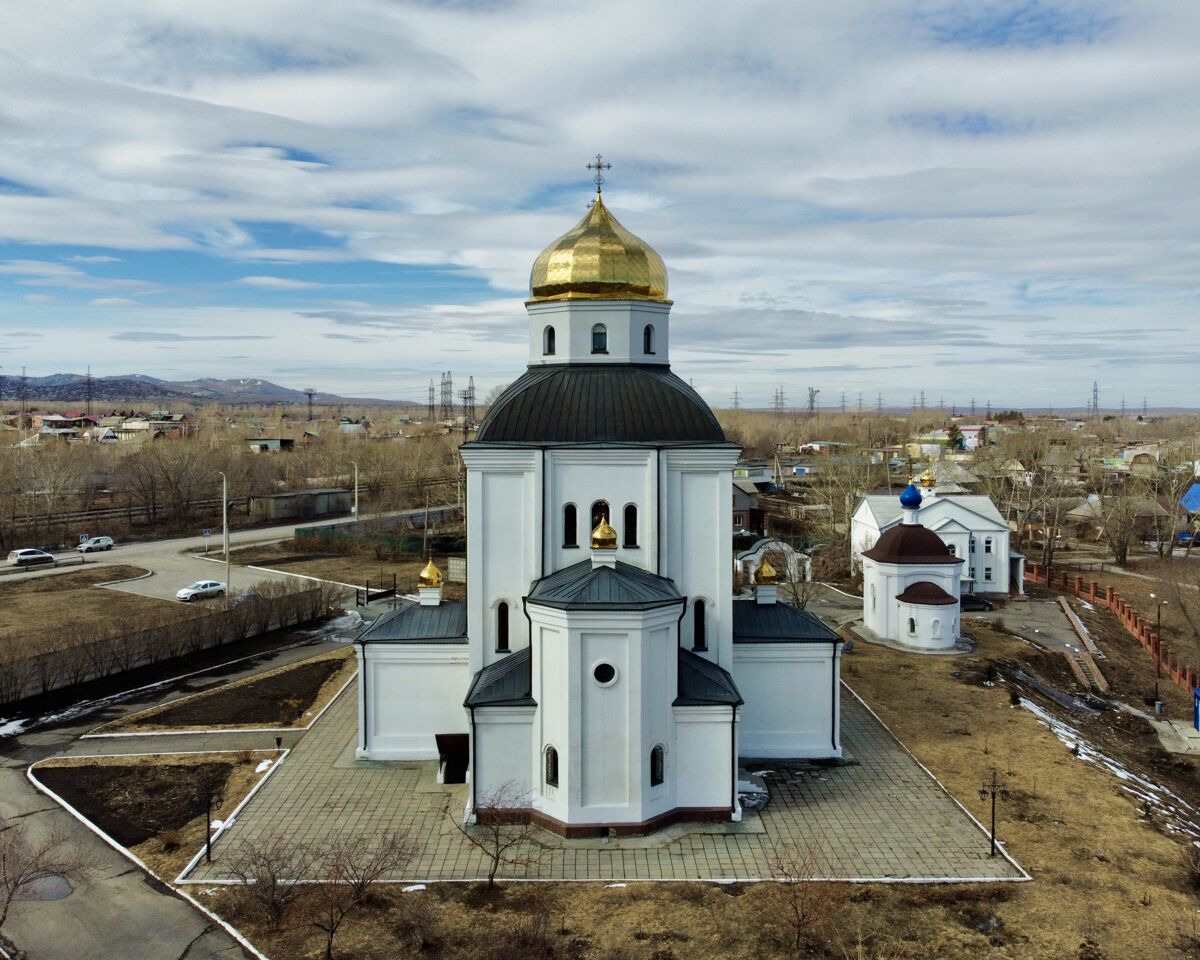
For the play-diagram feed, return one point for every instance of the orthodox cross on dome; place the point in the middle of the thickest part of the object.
(599, 166)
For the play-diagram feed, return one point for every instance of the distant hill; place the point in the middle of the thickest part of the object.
(72, 388)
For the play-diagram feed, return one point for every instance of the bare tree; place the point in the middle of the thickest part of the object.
(26, 862)
(270, 871)
(501, 831)
(349, 869)
(794, 582)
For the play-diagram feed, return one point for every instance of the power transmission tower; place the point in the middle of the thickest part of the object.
(1122, 408)
(1095, 399)
(24, 397)
(989, 410)
(942, 403)
(879, 403)
(860, 401)
(310, 393)
(972, 408)
(736, 398)
(813, 392)
(447, 396)
(1144, 407)
(429, 415)
(777, 401)
(843, 401)
(88, 391)
(922, 399)
(467, 399)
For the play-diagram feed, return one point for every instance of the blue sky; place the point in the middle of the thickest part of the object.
(984, 199)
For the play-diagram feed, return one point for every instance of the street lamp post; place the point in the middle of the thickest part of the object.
(1158, 605)
(993, 788)
(225, 531)
(355, 510)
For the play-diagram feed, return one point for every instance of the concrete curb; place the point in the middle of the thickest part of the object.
(110, 583)
(182, 894)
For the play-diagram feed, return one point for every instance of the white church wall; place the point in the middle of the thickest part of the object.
(618, 477)
(503, 539)
(503, 759)
(705, 742)
(425, 685)
(928, 627)
(624, 321)
(792, 699)
(696, 549)
(605, 723)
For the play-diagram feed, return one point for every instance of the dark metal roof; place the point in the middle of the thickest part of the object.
(623, 587)
(600, 403)
(445, 623)
(755, 622)
(703, 683)
(910, 543)
(506, 683)
(924, 592)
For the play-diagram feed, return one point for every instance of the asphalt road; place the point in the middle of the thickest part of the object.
(119, 912)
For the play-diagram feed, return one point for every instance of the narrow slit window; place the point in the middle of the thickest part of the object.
(570, 526)
(599, 338)
(548, 342)
(699, 625)
(648, 340)
(551, 767)
(502, 627)
(630, 531)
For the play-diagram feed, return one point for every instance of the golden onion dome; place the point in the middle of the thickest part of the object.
(430, 576)
(598, 259)
(929, 478)
(765, 573)
(604, 537)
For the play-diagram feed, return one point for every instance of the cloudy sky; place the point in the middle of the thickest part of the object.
(989, 200)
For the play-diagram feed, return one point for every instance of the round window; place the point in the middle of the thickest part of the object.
(605, 674)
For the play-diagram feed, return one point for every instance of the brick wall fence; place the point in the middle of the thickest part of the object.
(1185, 676)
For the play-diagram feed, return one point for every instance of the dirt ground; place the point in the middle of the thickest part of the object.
(288, 697)
(343, 568)
(156, 805)
(33, 612)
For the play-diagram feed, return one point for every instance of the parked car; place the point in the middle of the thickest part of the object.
(95, 543)
(201, 589)
(1185, 538)
(971, 601)
(29, 557)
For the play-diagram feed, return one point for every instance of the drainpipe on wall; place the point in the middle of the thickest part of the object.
(733, 806)
(474, 765)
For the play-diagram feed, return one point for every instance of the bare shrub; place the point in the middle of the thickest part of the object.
(1189, 859)
(349, 870)
(25, 862)
(171, 840)
(269, 871)
(799, 907)
(502, 831)
(419, 925)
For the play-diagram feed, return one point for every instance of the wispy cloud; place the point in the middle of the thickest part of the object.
(147, 336)
(278, 283)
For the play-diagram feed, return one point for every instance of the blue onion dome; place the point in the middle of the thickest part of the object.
(910, 498)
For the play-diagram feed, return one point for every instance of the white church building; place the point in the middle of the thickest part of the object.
(968, 524)
(911, 589)
(601, 668)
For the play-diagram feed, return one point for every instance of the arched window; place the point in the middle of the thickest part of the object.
(699, 627)
(935, 628)
(987, 545)
(600, 512)
(599, 338)
(872, 596)
(658, 758)
(972, 544)
(912, 625)
(502, 627)
(630, 531)
(648, 340)
(548, 342)
(953, 549)
(570, 526)
(551, 767)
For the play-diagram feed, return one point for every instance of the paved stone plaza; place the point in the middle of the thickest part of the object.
(881, 817)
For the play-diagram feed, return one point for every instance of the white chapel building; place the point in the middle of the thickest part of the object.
(601, 668)
(968, 524)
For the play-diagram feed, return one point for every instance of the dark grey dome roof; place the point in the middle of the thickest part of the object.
(600, 403)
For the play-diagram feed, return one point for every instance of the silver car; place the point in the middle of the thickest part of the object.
(95, 543)
(201, 589)
(29, 557)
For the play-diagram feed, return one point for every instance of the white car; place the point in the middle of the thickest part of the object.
(29, 557)
(95, 543)
(201, 589)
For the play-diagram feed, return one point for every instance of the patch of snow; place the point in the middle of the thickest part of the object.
(761, 773)
(413, 888)
(263, 765)
(208, 891)
(614, 885)
(1178, 814)
(1086, 605)
(218, 824)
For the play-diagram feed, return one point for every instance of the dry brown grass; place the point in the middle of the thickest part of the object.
(352, 569)
(144, 720)
(33, 611)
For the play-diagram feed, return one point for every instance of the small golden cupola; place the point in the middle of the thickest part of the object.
(430, 575)
(598, 259)
(766, 573)
(604, 537)
(929, 478)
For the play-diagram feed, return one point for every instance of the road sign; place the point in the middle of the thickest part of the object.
(208, 533)
(84, 538)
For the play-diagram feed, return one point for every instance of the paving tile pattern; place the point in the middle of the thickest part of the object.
(881, 817)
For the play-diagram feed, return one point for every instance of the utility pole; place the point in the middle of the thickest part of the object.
(225, 532)
(736, 398)
(24, 400)
(355, 510)
(1095, 399)
(88, 390)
